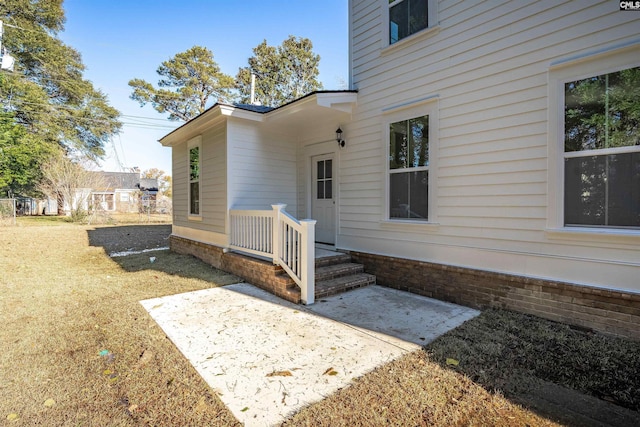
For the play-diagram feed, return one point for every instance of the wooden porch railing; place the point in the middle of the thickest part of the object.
(275, 234)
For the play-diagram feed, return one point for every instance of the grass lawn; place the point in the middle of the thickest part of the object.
(79, 349)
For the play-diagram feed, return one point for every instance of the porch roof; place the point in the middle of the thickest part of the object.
(294, 115)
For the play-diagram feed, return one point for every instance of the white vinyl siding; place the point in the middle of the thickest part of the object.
(262, 167)
(213, 181)
(214, 178)
(488, 64)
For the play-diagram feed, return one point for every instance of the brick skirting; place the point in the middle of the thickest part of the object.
(260, 273)
(608, 311)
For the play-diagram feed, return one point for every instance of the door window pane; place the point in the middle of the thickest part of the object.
(324, 182)
(320, 166)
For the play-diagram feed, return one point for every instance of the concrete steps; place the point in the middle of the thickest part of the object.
(334, 274)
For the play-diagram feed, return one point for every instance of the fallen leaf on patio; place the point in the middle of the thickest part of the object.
(280, 374)
(330, 371)
(245, 409)
(157, 306)
(49, 403)
(453, 362)
(13, 417)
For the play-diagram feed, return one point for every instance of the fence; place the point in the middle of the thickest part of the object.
(7, 211)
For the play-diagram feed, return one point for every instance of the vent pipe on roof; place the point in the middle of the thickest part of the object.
(253, 89)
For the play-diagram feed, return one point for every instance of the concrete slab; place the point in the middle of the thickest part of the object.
(267, 358)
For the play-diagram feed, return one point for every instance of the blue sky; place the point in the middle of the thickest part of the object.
(123, 39)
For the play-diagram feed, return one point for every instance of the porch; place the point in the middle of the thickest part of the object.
(287, 258)
(279, 254)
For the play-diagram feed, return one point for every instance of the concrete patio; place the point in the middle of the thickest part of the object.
(266, 358)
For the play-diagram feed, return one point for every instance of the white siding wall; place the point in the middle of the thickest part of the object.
(262, 167)
(213, 185)
(488, 66)
(317, 140)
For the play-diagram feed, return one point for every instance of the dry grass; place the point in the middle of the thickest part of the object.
(62, 302)
(74, 331)
(414, 391)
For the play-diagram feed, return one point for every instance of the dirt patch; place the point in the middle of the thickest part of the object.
(124, 238)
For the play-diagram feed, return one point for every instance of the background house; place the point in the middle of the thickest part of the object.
(116, 192)
(474, 170)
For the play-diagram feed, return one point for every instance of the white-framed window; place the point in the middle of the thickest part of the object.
(404, 18)
(195, 170)
(409, 169)
(103, 201)
(594, 179)
(409, 137)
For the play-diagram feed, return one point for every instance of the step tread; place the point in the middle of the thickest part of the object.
(343, 283)
(336, 270)
(338, 258)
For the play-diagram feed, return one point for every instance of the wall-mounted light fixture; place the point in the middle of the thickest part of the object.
(339, 139)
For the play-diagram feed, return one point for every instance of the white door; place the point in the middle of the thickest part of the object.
(323, 205)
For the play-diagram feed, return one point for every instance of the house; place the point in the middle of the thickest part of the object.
(116, 192)
(491, 158)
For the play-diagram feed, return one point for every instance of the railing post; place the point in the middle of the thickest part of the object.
(277, 208)
(308, 265)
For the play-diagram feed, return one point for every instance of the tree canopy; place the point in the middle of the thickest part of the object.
(283, 73)
(190, 82)
(46, 95)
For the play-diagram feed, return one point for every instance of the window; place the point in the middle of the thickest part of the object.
(194, 180)
(324, 180)
(409, 169)
(407, 17)
(103, 201)
(602, 150)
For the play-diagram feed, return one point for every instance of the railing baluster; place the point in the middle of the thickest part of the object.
(275, 234)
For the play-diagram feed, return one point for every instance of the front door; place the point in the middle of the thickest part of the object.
(323, 205)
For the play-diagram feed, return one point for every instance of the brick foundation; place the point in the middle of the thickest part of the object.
(260, 273)
(607, 311)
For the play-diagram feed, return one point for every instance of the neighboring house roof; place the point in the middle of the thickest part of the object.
(294, 113)
(149, 184)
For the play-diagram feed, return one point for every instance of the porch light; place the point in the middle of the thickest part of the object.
(339, 139)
